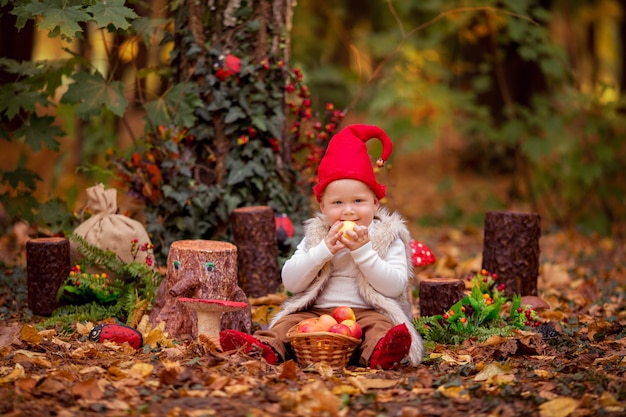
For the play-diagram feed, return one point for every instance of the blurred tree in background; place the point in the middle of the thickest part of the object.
(533, 89)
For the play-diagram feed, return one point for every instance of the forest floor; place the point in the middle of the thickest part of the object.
(580, 370)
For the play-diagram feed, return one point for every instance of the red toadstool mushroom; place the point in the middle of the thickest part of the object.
(210, 314)
(421, 255)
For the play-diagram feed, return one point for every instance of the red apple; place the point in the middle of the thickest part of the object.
(355, 329)
(342, 313)
(308, 325)
(340, 328)
(324, 322)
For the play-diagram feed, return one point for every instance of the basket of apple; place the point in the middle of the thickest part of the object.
(330, 338)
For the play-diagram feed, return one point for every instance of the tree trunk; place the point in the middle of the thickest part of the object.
(202, 269)
(254, 233)
(438, 294)
(511, 250)
(47, 266)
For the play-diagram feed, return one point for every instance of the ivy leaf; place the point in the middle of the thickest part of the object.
(59, 17)
(176, 107)
(112, 12)
(234, 113)
(41, 131)
(91, 92)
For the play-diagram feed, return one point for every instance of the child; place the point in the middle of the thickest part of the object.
(367, 269)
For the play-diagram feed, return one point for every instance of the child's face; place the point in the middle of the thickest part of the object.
(349, 200)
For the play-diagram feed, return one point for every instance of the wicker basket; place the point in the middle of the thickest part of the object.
(332, 349)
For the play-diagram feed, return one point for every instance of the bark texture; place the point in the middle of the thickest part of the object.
(254, 233)
(47, 266)
(511, 249)
(203, 269)
(439, 294)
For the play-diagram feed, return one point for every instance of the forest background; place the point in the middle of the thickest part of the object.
(514, 105)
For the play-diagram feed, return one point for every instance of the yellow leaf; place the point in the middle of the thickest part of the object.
(348, 389)
(140, 370)
(16, 374)
(558, 407)
(454, 359)
(492, 370)
(32, 357)
(454, 392)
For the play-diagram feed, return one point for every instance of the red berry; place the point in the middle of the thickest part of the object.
(494, 275)
(520, 309)
(445, 316)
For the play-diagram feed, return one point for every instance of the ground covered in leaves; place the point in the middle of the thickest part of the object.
(575, 366)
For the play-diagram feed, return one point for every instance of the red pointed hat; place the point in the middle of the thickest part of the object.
(346, 158)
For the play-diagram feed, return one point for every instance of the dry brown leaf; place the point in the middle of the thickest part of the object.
(51, 386)
(372, 383)
(29, 334)
(89, 389)
(313, 399)
(289, 370)
(25, 386)
(84, 329)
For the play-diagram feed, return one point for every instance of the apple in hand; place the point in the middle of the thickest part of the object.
(340, 328)
(308, 325)
(355, 329)
(324, 322)
(346, 226)
(342, 313)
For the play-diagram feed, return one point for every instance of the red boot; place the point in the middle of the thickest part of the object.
(392, 348)
(234, 340)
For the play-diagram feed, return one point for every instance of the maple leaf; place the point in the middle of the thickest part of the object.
(91, 92)
(14, 99)
(112, 12)
(59, 17)
(42, 132)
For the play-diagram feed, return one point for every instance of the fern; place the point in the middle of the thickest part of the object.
(133, 281)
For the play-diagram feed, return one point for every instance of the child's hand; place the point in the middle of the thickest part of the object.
(352, 239)
(332, 239)
(355, 238)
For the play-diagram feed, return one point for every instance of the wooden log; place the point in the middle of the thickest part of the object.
(202, 269)
(439, 294)
(511, 250)
(254, 233)
(47, 266)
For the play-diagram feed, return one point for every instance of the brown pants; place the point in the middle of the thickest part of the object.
(374, 326)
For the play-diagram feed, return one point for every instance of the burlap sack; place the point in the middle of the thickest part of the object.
(106, 229)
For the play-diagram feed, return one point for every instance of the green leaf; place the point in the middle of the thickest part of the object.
(20, 175)
(91, 92)
(176, 106)
(112, 12)
(59, 17)
(14, 99)
(234, 113)
(42, 132)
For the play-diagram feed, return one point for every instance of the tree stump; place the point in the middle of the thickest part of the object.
(511, 250)
(202, 269)
(47, 266)
(254, 233)
(439, 294)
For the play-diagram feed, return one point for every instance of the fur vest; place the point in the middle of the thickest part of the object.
(387, 227)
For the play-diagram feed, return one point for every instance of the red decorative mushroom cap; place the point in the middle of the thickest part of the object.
(421, 255)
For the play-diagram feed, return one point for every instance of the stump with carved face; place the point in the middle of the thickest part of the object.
(202, 269)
